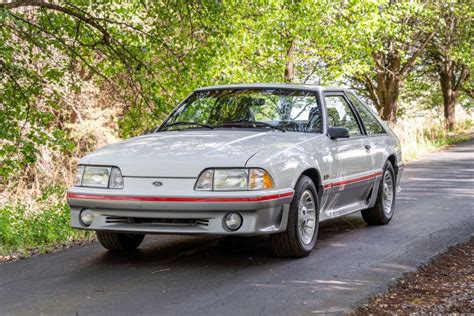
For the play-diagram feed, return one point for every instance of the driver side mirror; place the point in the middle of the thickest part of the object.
(338, 132)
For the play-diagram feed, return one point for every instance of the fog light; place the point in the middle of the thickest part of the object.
(233, 221)
(86, 217)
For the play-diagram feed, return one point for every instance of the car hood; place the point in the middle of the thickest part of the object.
(187, 153)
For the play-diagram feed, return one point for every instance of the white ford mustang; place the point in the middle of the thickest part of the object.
(243, 160)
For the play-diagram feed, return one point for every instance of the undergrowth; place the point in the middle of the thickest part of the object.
(22, 230)
(419, 136)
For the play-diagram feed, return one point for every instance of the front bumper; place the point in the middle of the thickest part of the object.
(262, 213)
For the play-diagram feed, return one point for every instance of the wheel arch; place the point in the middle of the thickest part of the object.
(315, 176)
(393, 160)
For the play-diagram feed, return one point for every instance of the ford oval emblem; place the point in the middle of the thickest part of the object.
(157, 183)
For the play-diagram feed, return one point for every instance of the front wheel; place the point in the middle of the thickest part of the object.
(119, 241)
(382, 212)
(303, 222)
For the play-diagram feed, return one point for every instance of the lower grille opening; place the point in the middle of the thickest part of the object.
(158, 221)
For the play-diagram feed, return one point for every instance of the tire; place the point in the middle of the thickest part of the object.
(119, 241)
(380, 214)
(291, 243)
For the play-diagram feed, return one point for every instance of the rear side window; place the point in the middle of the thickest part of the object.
(372, 125)
(340, 114)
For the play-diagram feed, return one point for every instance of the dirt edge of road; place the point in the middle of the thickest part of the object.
(35, 252)
(444, 285)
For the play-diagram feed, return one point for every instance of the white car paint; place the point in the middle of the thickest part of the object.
(346, 172)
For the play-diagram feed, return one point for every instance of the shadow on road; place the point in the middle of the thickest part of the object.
(217, 250)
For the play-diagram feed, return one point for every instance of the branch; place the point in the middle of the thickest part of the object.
(411, 62)
(462, 78)
(371, 89)
(41, 4)
(76, 54)
(311, 73)
(123, 58)
(22, 34)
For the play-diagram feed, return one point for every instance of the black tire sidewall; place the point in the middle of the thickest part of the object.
(131, 241)
(119, 241)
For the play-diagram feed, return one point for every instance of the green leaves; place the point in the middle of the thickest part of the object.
(151, 56)
(22, 230)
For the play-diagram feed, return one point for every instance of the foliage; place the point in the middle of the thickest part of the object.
(376, 45)
(151, 56)
(57, 45)
(21, 231)
(449, 54)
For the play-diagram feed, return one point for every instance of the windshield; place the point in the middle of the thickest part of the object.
(285, 110)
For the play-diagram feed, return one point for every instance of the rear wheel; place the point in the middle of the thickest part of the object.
(303, 222)
(382, 212)
(119, 241)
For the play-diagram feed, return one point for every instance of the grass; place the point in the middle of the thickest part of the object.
(419, 136)
(23, 231)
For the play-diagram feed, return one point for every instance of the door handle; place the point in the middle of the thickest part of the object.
(368, 147)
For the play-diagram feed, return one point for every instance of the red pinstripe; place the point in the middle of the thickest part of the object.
(358, 179)
(179, 199)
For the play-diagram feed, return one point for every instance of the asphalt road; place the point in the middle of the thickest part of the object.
(214, 276)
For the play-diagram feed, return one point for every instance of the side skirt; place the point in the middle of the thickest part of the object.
(345, 210)
(354, 207)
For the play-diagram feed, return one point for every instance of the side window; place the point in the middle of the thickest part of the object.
(372, 125)
(340, 114)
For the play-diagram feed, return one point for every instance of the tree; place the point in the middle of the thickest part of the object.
(268, 41)
(450, 53)
(149, 63)
(376, 45)
(149, 56)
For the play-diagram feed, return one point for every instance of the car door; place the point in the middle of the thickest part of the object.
(351, 177)
(373, 128)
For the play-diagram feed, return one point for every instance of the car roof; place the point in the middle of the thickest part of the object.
(289, 86)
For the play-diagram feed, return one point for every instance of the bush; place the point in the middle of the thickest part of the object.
(22, 230)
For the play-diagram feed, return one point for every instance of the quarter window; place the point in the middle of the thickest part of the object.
(340, 114)
(372, 125)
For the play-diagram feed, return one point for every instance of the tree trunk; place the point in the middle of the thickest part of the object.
(385, 96)
(290, 63)
(446, 77)
(390, 72)
(453, 73)
(389, 105)
(387, 89)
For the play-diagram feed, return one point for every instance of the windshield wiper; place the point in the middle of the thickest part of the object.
(258, 123)
(186, 123)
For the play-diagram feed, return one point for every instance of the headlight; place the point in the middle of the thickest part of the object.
(230, 179)
(99, 177)
(96, 177)
(241, 179)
